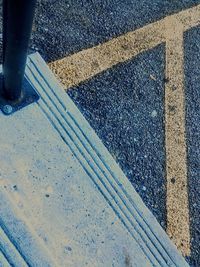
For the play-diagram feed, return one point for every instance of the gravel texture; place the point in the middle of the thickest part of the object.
(125, 107)
(65, 26)
(192, 72)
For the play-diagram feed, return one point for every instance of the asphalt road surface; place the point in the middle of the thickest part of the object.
(125, 104)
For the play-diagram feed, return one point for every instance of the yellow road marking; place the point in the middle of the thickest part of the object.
(175, 142)
(83, 65)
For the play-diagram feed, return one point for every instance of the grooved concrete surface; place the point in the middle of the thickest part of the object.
(64, 200)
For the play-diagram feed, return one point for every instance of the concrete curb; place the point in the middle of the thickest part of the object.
(98, 172)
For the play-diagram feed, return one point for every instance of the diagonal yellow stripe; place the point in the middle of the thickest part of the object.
(83, 65)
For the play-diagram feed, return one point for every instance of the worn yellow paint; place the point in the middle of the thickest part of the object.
(175, 141)
(73, 69)
(83, 65)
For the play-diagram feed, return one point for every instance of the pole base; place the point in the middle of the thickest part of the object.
(10, 107)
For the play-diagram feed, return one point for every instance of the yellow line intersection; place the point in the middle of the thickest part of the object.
(85, 64)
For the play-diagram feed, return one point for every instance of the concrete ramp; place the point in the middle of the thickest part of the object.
(64, 201)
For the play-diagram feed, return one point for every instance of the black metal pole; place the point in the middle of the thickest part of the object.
(17, 24)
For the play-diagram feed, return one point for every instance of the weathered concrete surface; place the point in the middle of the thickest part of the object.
(64, 200)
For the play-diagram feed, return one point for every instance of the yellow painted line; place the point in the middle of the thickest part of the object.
(85, 64)
(175, 141)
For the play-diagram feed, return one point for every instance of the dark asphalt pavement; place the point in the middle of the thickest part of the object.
(192, 81)
(66, 26)
(125, 107)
